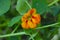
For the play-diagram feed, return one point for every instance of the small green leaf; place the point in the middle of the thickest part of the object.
(4, 6)
(22, 6)
(14, 20)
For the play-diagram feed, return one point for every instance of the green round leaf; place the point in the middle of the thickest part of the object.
(4, 6)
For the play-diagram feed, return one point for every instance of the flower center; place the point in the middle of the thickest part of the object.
(29, 18)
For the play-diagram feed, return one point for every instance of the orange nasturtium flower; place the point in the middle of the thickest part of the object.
(30, 19)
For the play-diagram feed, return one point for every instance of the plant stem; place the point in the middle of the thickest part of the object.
(48, 26)
(15, 29)
(14, 34)
(21, 33)
(28, 5)
(55, 1)
(33, 35)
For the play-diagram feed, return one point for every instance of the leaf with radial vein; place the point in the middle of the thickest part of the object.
(40, 5)
(22, 6)
(4, 6)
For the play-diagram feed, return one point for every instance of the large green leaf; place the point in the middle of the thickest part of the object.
(40, 5)
(14, 20)
(4, 6)
(22, 6)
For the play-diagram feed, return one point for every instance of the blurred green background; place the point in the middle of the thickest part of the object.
(11, 12)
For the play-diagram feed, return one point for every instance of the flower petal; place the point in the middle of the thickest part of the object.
(31, 25)
(24, 25)
(36, 17)
(32, 11)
